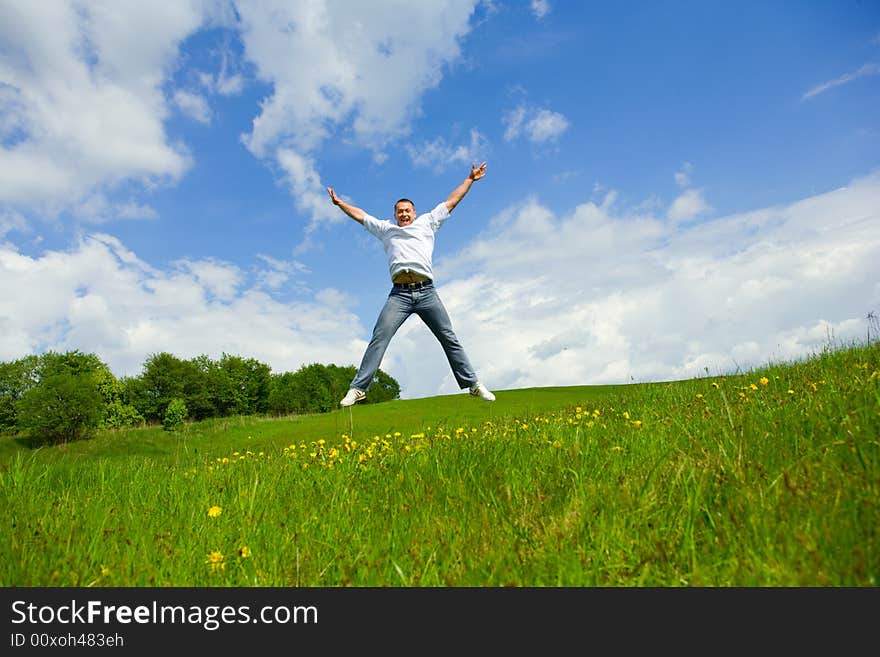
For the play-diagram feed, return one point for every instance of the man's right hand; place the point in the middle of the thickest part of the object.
(352, 211)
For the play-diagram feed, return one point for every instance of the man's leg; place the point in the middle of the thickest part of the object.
(433, 313)
(395, 311)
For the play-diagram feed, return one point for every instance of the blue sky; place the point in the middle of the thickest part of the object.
(672, 188)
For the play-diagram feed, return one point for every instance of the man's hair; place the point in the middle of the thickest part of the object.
(404, 200)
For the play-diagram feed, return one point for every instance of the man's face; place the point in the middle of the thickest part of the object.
(404, 213)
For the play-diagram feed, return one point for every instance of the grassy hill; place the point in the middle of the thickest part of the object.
(768, 478)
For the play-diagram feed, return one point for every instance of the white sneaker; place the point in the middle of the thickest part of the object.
(479, 390)
(352, 396)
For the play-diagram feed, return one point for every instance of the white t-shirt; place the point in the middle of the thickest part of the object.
(409, 248)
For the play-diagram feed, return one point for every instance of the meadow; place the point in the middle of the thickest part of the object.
(764, 478)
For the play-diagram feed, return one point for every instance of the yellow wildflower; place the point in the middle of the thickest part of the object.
(215, 560)
(244, 552)
(215, 511)
(764, 380)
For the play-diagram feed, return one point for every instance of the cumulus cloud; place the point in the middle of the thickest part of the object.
(683, 177)
(690, 204)
(438, 154)
(610, 295)
(364, 74)
(82, 98)
(193, 105)
(538, 125)
(102, 298)
(540, 8)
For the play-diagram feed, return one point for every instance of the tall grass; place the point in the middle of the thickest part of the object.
(769, 478)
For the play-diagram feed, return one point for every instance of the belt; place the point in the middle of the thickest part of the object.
(413, 286)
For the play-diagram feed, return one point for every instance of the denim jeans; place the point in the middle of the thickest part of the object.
(401, 303)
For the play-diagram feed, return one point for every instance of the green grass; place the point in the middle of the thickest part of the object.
(769, 478)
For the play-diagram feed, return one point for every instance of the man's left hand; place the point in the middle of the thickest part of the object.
(477, 172)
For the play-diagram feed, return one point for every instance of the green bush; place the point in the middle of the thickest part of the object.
(63, 407)
(175, 414)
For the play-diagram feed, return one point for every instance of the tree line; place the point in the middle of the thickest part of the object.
(59, 397)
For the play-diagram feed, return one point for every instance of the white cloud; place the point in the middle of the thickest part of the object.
(193, 105)
(101, 298)
(540, 8)
(438, 155)
(871, 68)
(683, 177)
(365, 73)
(608, 296)
(278, 272)
(537, 125)
(305, 184)
(83, 99)
(690, 204)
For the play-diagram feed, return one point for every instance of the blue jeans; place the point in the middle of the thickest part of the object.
(401, 303)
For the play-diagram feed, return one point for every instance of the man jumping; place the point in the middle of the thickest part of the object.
(409, 245)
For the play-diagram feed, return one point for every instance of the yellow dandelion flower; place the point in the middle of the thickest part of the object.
(715, 385)
(216, 560)
(626, 414)
(244, 552)
(617, 448)
(790, 391)
(637, 423)
(764, 380)
(215, 511)
(699, 395)
(596, 413)
(752, 386)
(104, 570)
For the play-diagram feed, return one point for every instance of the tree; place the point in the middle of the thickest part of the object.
(65, 403)
(317, 388)
(164, 377)
(16, 378)
(384, 388)
(175, 414)
(117, 412)
(243, 386)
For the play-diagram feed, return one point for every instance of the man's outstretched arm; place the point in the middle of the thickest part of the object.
(352, 211)
(458, 193)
